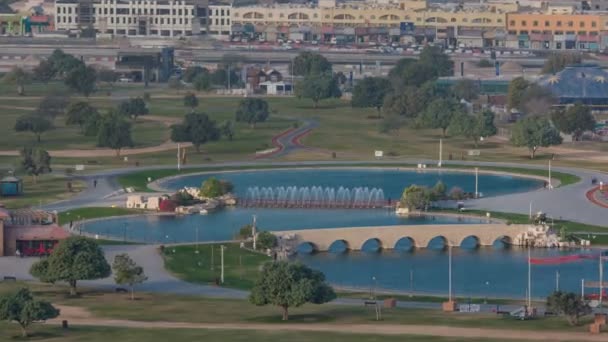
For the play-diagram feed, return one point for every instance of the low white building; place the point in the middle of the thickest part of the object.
(277, 88)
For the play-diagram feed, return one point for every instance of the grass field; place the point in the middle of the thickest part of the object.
(241, 266)
(102, 334)
(48, 188)
(175, 308)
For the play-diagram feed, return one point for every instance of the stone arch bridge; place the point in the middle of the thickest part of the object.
(389, 236)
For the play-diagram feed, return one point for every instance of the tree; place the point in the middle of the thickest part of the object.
(438, 191)
(536, 100)
(175, 83)
(410, 101)
(219, 77)
(108, 76)
(227, 129)
(133, 107)
(64, 63)
(415, 197)
(21, 307)
(82, 79)
(34, 123)
(556, 62)
(252, 111)
(465, 89)
(517, 88)
(35, 161)
(192, 72)
(245, 231)
(317, 88)
(534, 132)
(286, 284)
(39, 271)
(432, 63)
(439, 114)
(574, 120)
(78, 113)
(196, 128)
(92, 124)
(309, 64)
(266, 240)
(114, 132)
(370, 92)
(568, 304)
(213, 187)
(127, 272)
(202, 82)
(45, 71)
(53, 105)
(18, 77)
(474, 126)
(190, 100)
(77, 258)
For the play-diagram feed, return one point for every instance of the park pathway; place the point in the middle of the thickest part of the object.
(367, 329)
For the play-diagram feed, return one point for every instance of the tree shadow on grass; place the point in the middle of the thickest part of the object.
(295, 318)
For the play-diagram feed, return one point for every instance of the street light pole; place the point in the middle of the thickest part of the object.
(197, 251)
(440, 152)
(549, 185)
(529, 281)
(222, 258)
(556, 280)
(450, 273)
(476, 182)
(531, 210)
(411, 283)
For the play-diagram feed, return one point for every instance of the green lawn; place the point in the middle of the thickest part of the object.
(104, 334)
(241, 266)
(94, 212)
(48, 188)
(196, 309)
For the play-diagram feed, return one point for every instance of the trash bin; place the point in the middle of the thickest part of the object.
(64, 324)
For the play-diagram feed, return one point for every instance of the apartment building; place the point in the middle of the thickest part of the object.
(220, 24)
(165, 18)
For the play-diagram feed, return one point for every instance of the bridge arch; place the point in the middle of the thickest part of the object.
(503, 241)
(339, 246)
(470, 242)
(439, 242)
(371, 245)
(307, 247)
(405, 244)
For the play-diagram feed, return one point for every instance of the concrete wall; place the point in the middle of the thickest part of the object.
(388, 236)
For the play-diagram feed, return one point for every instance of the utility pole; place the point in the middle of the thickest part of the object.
(530, 210)
(549, 185)
(212, 261)
(440, 152)
(222, 259)
(450, 273)
(601, 280)
(197, 251)
(583, 288)
(253, 233)
(179, 164)
(411, 283)
(476, 182)
(529, 281)
(556, 280)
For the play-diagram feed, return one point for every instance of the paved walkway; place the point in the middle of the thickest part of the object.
(367, 329)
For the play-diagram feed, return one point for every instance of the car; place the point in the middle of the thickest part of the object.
(297, 41)
(314, 42)
(244, 40)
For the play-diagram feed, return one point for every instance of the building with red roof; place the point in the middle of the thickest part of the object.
(31, 232)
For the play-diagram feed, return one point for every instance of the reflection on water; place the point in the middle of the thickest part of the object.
(486, 271)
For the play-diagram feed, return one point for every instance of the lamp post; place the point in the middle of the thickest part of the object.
(450, 273)
(549, 185)
(196, 251)
(476, 182)
(222, 263)
(487, 292)
(411, 283)
(440, 153)
(125, 232)
(531, 209)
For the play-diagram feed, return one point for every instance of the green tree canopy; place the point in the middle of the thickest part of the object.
(252, 111)
(21, 307)
(410, 101)
(227, 129)
(370, 92)
(64, 63)
(415, 197)
(465, 89)
(53, 105)
(537, 100)
(574, 120)
(475, 127)
(266, 240)
(34, 123)
(534, 132)
(44, 71)
(192, 72)
(114, 132)
(286, 285)
(517, 88)
(213, 187)
(133, 107)
(439, 114)
(309, 64)
(190, 100)
(202, 82)
(568, 304)
(79, 112)
(82, 79)
(317, 88)
(77, 258)
(196, 128)
(219, 77)
(432, 63)
(108, 76)
(127, 272)
(556, 62)
(175, 83)
(35, 161)
(18, 77)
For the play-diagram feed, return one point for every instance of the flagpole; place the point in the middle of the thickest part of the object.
(450, 273)
(601, 280)
(529, 281)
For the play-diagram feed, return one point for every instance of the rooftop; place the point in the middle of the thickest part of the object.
(578, 82)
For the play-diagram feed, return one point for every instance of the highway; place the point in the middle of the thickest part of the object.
(10, 52)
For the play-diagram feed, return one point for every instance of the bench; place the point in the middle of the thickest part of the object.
(121, 290)
(370, 303)
(9, 278)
